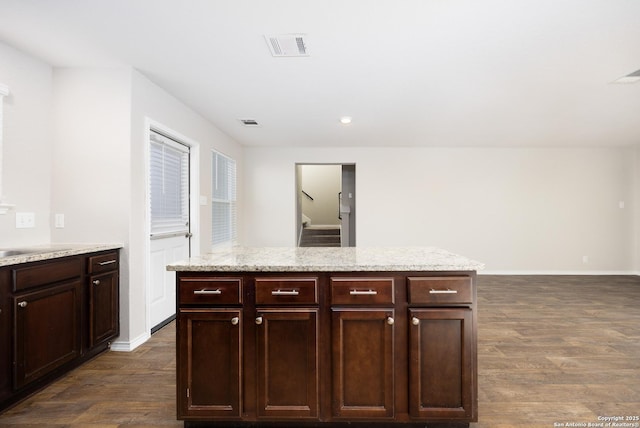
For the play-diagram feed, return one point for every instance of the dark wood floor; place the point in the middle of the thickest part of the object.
(552, 349)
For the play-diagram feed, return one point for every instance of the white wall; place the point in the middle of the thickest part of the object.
(517, 210)
(27, 149)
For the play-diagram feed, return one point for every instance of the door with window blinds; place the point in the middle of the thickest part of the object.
(169, 221)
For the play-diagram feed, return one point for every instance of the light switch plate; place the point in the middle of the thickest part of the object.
(25, 220)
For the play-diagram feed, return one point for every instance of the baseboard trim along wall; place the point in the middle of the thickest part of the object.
(122, 346)
(556, 272)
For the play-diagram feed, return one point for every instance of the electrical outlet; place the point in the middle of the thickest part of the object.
(25, 220)
(585, 259)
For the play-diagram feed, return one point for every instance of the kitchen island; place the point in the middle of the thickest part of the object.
(327, 337)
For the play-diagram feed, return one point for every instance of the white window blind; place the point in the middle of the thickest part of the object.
(169, 185)
(223, 200)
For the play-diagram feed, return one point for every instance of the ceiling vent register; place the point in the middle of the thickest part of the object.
(287, 45)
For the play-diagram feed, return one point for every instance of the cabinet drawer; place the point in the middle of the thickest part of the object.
(103, 263)
(286, 291)
(210, 291)
(440, 290)
(362, 291)
(46, 273)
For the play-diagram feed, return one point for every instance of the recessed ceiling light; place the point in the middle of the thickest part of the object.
(629, 78)
(345, 120)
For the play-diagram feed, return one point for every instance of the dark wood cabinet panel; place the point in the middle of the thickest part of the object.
(209, 363)
(47, 330)
(42, 274)
(54, 315)
(328, 348)
(440, 370)
(6, 334)
(363, 362)
(287, 363)
(104, 319)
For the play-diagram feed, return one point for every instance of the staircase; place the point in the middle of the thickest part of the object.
(320, 237)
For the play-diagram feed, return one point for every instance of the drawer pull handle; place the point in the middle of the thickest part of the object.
(285, 292)
(235, 320)
(258, 320)
(415, 321)
(108, 262)
(363, 292)
(96, 282)
(390, 320)
(447, 291)
(23, 304)
(203, 291)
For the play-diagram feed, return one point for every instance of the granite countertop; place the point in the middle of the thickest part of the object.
(38, 253)
(323, 259)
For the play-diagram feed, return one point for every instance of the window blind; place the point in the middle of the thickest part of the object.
(223, 200)
(169, 185)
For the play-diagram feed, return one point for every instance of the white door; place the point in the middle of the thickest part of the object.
(169, 220)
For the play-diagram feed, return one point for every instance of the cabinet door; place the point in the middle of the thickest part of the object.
(362, 354)
(47, 330)
(287, 363)
(209, 363)
(103, 308)
(440, 367)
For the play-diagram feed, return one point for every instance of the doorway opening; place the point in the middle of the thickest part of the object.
(325, 205)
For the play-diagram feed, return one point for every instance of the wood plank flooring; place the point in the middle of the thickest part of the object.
(552, 350)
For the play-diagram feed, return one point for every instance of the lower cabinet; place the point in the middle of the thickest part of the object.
(326, 348)
(55, 314)
(287, 363)
(47, 330)
(363, 363)
(210, 363)
(440, 369)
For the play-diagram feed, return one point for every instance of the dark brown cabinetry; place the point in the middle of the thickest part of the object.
(103, 298)
(362, 347)
(55, 314)
(210, 354)
(47, 330)
(327, 347)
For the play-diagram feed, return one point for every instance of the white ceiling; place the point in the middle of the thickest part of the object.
(409, 72)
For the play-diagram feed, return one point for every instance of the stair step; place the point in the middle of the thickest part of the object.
(325, 237)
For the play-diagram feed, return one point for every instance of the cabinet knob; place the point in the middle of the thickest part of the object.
(23, 304)
(415, 321)
(235, 320)
(258, 320)
(96, 282)
(390, 320)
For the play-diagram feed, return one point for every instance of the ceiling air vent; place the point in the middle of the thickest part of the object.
(250, 123)
(287, 44)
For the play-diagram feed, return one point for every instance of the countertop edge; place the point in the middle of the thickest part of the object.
(47, 252)
(322, 259)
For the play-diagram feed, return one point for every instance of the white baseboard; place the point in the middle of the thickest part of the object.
(557, 272)
(124, 346)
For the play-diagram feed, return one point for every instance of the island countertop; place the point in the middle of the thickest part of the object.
(325, 259)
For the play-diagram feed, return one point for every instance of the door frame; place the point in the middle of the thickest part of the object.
(298, 197)
(194, 203)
